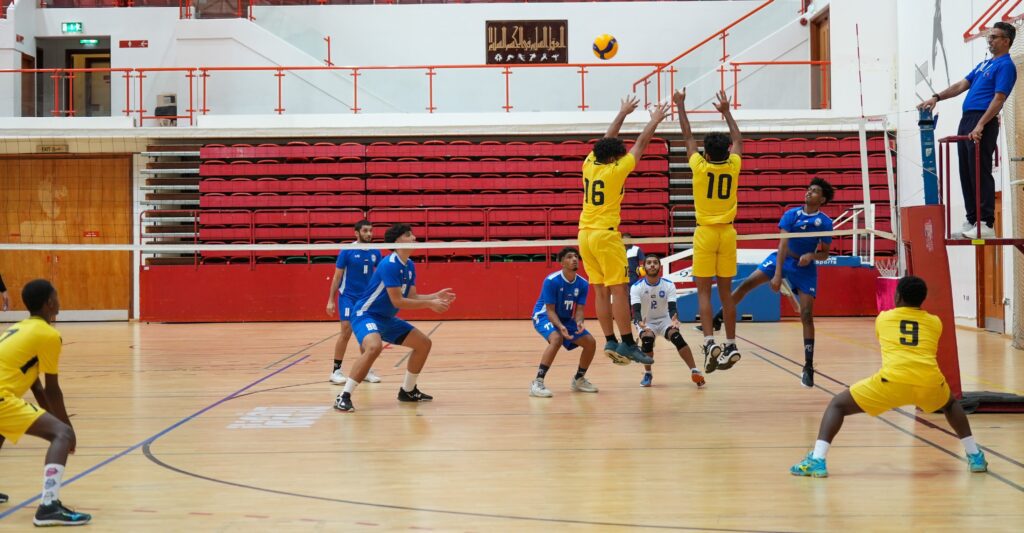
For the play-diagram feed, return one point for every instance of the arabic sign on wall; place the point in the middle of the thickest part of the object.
(527, 41)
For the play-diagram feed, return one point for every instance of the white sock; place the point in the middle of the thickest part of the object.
(52, 474)
(820, 449)
(970, 446)
(351, 385)
(710, 339)
(695, 370)
(410, 381)
(730, 341)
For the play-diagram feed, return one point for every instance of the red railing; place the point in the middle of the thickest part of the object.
(721, 34)
(824, 66)
(59, 75)
(981, 25)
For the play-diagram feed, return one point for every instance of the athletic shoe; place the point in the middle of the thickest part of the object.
(3, 498)
(966, 227)
(730, 356)
(338, 378)
(698, 379)
(538, 390)
(807, 380)
(810, 467)
(611, 350)
(646, 381)
(414, 396)
(56, 514)
(716, 324)
(371, 377)
(986, 232)
(583, 385)
(344, 403)
(633, 353)
(711, 353)
(977, 462)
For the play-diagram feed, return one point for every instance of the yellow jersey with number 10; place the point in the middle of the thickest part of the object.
(714, 189)
(603, 188)
(27, 349)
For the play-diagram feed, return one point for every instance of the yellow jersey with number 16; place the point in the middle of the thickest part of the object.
(714, 189)
(27, 349)
(603, 188)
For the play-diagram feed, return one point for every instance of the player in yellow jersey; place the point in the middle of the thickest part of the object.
(910, 375)
(604, 256)
(29, 353)
(715, 181)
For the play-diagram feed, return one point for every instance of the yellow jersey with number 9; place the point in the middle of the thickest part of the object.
(714, 189)
(603, 187)
(910, 343)
(27, 349)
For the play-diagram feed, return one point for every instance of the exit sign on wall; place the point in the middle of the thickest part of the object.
(134, 44)
(71, 27)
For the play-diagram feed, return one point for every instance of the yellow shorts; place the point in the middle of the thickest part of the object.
(714, 251)
(16, 416)
(604, 256)
(875, 395)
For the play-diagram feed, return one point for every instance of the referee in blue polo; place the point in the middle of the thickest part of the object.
(987, 86)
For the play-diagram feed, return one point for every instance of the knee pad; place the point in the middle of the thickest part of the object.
(677, 339)
(647, 343)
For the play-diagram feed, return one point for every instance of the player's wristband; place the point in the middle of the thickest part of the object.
(937, 97)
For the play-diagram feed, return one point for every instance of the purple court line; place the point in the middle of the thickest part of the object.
(167, 430)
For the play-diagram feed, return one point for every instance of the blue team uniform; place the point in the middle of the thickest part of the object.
(374, 312)
(359, 266)
(803, 279)
(565, 296)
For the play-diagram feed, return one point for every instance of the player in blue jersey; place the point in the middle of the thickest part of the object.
(374, 322)
(797, 274)
(352, 272)
(558, 317)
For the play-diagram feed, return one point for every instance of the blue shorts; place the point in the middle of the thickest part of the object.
(346, 308)
(544, 328)
(803, 279)
(393, 329)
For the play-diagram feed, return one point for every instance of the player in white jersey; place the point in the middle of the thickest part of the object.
(653, 300)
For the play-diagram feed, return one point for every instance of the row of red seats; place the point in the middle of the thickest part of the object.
(480, 216)
(761, 196)
(300, 200)
(768, 145)
(803, 179)
(465, 149)
(247, 168)
(818, 162)
(335, 234)
(411, 184)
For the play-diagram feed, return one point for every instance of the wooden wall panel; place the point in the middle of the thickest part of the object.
(71, 199)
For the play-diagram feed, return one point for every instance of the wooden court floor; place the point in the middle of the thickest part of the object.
(220, 427)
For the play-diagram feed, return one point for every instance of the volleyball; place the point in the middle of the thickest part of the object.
(605, 46)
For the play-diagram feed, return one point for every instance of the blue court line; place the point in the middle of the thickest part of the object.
(167, 430)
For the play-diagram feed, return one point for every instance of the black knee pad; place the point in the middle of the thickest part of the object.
(677, 339)
(647, 343)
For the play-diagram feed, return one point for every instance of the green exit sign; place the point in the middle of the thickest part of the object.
(71, 27)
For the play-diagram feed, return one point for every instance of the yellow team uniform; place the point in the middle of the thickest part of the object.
(26, 349)
(910, 371)
(714, 199)
(603, 254)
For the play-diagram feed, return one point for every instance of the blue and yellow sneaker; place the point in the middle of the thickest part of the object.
(610, 349)
(976, 462)
(646, 381)
(810, 467)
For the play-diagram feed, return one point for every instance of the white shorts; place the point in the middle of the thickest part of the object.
(658, 325)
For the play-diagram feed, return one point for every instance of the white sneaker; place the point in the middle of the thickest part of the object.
(986, 232)
(372, 377)
(338, 378)
(966, 227)
(583, 385)
(538, 390)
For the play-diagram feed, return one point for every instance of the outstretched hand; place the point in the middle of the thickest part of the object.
(629, 104)
(659, 112)
(722, 105)
(679, 97)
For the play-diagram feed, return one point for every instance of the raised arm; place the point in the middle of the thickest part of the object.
(679, 99)
(658, 114)
(628, 105)
(722, 105)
